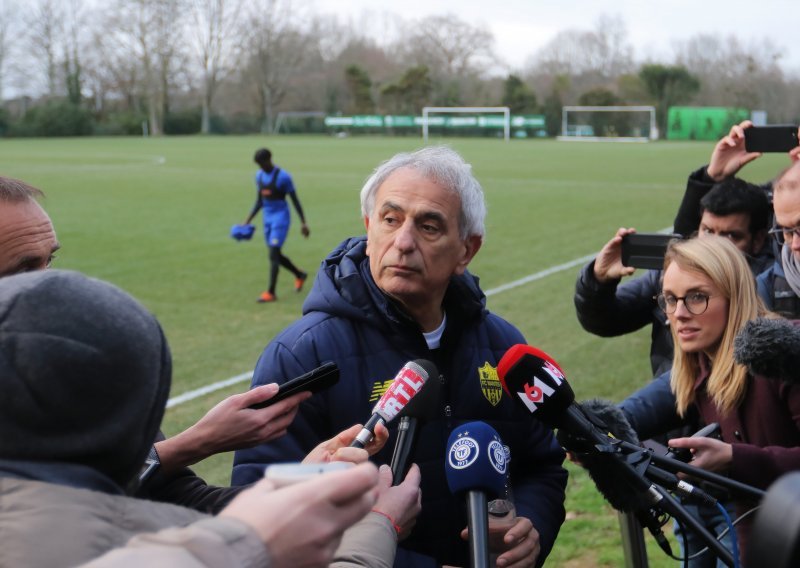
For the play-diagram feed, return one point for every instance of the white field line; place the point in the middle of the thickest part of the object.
(191, 395)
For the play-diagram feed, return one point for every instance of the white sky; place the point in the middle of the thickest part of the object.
(520, 27)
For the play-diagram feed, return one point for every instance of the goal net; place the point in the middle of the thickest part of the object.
(296, 122)
(613, 123)
(466, 121)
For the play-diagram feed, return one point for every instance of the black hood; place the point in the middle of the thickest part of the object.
(84, 373)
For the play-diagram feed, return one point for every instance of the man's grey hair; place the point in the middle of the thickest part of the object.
(16, 191)
(447, 168)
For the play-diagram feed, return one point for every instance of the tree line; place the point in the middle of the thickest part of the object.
(184, 66)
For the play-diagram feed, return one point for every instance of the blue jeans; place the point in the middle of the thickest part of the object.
(714, 521)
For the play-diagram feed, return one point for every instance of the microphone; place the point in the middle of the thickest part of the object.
(418, 410)
(534, 379)
(769, 347)
(405, 386)
(476, 466)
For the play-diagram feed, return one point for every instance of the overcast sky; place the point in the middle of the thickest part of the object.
(520, 27)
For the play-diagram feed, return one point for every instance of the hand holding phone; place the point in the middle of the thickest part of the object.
(315, 380)
(645, 250)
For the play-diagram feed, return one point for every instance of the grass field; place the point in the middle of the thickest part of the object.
(152, 216)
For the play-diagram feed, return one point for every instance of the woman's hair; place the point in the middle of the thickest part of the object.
(725, 265)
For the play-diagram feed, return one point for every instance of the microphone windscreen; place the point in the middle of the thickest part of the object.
(769, 347)
(533, 378)
(423, 405)
(476, 460)
(610, 418)
(610, 476)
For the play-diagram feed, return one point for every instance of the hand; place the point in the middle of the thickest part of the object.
(707, 453)
(401, 503)
(305, 230)
(522, 541)
(338, 448)
(608, 264)
(302, 524)
(231, 425)
(729, 155)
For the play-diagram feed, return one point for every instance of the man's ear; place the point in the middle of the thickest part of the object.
(472, 245)
(366, 223)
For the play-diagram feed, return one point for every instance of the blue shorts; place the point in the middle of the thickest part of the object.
(275, 234)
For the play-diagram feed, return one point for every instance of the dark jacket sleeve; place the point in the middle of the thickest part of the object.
(184, 487)
(687, 220)
(651, 409)
(613, 309)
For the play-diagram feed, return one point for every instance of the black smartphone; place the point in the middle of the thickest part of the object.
(645, 250)
(315, 380)
(684, 454)
(772, 138)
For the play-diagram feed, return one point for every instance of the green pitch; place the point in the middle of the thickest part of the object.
(153, 215)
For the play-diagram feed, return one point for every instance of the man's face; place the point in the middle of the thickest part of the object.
(412, 240)
(27, 238)
(735, 227)
(786, 203)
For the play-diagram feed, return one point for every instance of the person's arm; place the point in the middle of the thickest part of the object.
(651, 409)
(230, 425)
(299, 525)
(612, 309)
(306, 431)
(299, 208)
(727, 158)
(372, 542)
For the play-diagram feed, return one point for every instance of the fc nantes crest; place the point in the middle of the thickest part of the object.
(490, 384)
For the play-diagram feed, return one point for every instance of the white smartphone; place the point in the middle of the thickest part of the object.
(282, 474)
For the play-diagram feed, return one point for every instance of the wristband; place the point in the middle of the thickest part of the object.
(396, 527)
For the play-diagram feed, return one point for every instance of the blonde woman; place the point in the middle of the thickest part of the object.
(708, 294)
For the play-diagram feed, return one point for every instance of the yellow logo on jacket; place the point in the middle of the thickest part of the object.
(378, 388)
(491, 387)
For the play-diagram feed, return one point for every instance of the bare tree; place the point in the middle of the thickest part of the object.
(151, 29)
(44, 25)
(275, 52)
(217, 29)
(7, 30)
(734, 73)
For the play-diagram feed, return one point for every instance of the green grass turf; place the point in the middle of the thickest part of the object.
(152, 216)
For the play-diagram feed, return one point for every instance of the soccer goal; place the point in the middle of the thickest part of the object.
(612, 123)
(299, 122)
(480, 119)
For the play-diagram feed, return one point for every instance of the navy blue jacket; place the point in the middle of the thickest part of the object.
(348, 320)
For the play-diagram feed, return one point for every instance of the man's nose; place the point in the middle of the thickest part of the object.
(405, 237)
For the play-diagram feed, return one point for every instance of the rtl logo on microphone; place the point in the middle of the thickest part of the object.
(405, 385)
(541, 388)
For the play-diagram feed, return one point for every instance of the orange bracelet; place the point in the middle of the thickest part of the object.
(397, 528)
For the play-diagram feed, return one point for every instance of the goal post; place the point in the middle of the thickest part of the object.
(300, 121)
(467, 121)
(636, 123)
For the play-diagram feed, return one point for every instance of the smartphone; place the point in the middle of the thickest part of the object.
(685, 454)
(315, 380)
(772, 138)
(282, 474)
(645, 250)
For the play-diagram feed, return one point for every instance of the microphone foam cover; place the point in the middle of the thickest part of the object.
(609, 417)
(769, 347)
(476, 460)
